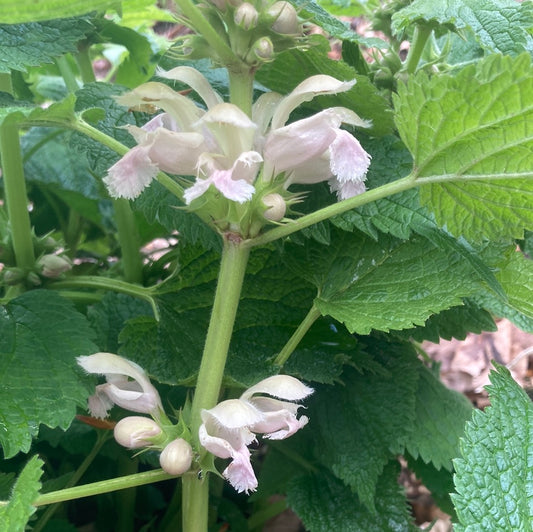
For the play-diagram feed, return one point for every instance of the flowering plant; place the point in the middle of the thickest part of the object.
(226, 230)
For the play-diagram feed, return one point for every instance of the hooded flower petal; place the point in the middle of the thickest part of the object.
(229, 427)
(137, 395)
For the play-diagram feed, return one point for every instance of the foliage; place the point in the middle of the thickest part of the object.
(210, 297)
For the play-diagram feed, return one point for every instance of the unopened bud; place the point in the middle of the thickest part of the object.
(135, 432)
(246, 16)
(276, 207)
(13, 276)
(285, 18)
(263, 49)
(53, 266)
(176, 457)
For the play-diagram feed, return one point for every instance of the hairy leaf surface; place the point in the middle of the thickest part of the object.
(41, 335)
(473, 146)
(494, 477)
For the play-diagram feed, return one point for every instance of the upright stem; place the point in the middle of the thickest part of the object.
(241, 88)
(6, 85)
(15, 196)
(420, 38)
(67, 74)
(128, 237)
(231, 276)
(84, 62)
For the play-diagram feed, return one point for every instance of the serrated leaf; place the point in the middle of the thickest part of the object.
(500, 26)
(13, 111)
(363, 283)
(494, 477)
(363, 423)
(273, 303)
(441, 415)
(15, 12)
(455, 322)
(35, 43)
(293, 66)
(41, 334)
(324, 503)
(516, 278)
(473, 146)
(16, 514)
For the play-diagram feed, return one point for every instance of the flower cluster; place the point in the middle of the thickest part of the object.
(236, 156)
(232, 425)
(138, 395)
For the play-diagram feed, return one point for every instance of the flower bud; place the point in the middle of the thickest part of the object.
(262, 49)
(285, 18)
(53, 266)
(246, 16)
(276, 207)
(176, 457)
(135, 432)
(13, 276)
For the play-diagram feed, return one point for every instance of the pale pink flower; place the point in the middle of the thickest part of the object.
(315, 149)
(137, 394)
(231, 426)
(213, 145)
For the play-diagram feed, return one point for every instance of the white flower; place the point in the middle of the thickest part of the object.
(315, 149)
(230, 426)
(215, 146)
(137, 395)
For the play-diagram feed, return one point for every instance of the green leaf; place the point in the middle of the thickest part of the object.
(455, 322)
(293, 66)
(16, 514)
(473, 146)
(35, 43)
(363, 423)
(14, 11)
(494, 477)
(136, 67)
(362, 283)
(324, 504)
(273, 303)
(516, 278)
(441, 415)
(500, 26)
(41, 335)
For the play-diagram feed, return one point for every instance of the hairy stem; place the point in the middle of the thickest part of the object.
(15, 196)
(295, 339)
(230, 280)
(420, 37)
(332, 210)
(104, 283)
(84, 62)
(66, 73)
(128, 237)
(103, 486)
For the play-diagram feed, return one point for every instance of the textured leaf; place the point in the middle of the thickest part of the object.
(455, 322)
(441, 415)
(475, 129)
(500, 26)
(16, 514)
(293, 66)
(516, 278)
(324, 504)
(363, 283)
(494, 477)
(361, 425)
(14, 11)
(35, 43)
(273, 303)
(41, 334)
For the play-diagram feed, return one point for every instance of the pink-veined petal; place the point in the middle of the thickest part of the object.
(240, 473)
(128, 177)
(232, 414)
